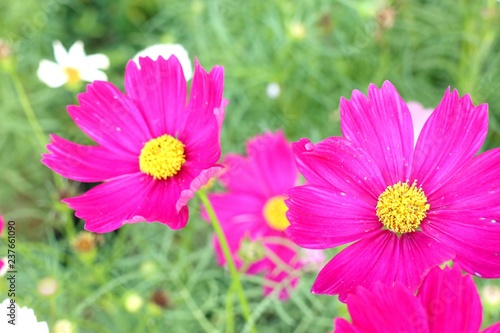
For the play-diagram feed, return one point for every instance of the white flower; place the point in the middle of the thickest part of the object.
(273, 90)
(166, 50)
(24, 318)
(72, 66)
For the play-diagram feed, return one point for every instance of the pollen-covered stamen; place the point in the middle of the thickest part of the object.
(73, 74)
(401, 208)
(274, 213)
(162, 157)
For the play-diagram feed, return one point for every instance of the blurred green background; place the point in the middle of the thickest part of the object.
(317, 51)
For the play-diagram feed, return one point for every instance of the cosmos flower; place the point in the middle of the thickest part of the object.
(153, 151)
(252, 211)
(166, 50)
(72, 66)
(447, 301)
(404, 208)
(23, 318)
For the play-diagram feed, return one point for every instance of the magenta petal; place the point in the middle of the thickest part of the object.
(268, 171)
(373, 258)
(465, 215)
(129, 199)
(281, 272)
(202, 179)
(321, 218)
(451, 136)
(336, 162)
(384, 256)
(495, 328)
(381, 125)
(384, 309)
(110, 118)
(204, 114)
(472, 236)
(343, 326)
(419, 253)
(87, 163)
(158, 88)
(451, 301)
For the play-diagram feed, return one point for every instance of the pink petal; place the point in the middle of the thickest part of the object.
(87, 163)
(453, 134)
(202, 179)
(111, 119)
(373, 258)
(158, 88)
(129, 199)
(280, 273)
(383, 256)
(381, 125)
(321, 218)
(337, 163)
(472, 236)
(343, 326)
(2, 225)
(386, 309)
(241, 216)
(268, 171)
(465, 215)
(451, 301)
(204, 115)
(495, 328)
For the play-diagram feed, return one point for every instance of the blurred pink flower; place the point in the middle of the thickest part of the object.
(153, 152)
(405, 209)
(252, 211)
(447, 301)
(419, 116)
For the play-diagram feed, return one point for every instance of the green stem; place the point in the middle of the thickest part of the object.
(28, 110)
(236, 283)
(230, 310)
(32, 119)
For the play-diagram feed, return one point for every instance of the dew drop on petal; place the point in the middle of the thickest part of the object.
(342, 194)
(477, 274)
(493, 221)
(309, 146)
(118, 129)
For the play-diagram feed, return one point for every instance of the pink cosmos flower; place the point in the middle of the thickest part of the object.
(405, 209)
(419, 116)
(153, 151)
(252, 211)
(446, 301)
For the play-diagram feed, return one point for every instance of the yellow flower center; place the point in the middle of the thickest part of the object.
(401, 208)
(274, 213)
(72, 74)
(162, 157)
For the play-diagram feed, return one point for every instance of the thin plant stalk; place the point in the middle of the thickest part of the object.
(236, 283)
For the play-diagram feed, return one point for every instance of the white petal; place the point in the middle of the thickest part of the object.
(166, 50)
(51, 74)
(97, 60)
(93, 75)
(60, 53)
(76, 53)
(26, 320)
